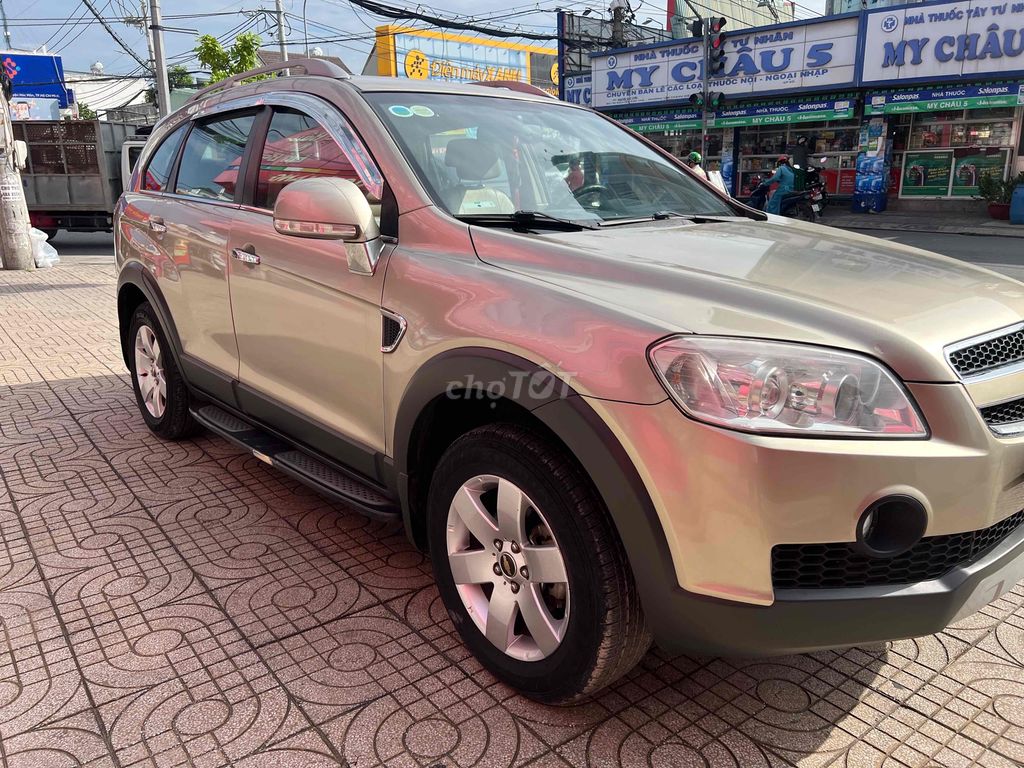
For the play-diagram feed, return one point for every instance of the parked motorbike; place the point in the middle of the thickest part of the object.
(795, 205)
(815, 186)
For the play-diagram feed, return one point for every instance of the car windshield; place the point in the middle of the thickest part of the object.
(490, 157)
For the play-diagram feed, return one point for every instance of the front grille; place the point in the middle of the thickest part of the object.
(1004, 413)
(836, 566)
(987, 355)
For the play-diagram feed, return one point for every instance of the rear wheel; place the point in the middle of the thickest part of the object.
(160, 390)
(529, 566)
(804, 212)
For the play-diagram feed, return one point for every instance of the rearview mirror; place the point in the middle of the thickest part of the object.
(331, 209)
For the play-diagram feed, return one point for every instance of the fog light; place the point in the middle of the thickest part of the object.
(891, 526)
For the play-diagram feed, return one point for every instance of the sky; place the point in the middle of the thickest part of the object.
(83, 41)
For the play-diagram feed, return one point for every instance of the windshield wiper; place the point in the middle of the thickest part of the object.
(525, 220)
(697, 218)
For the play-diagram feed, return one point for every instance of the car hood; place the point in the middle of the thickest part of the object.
(779, 279)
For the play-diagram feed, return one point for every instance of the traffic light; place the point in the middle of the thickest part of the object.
(716, 46)
(715, 100)
(697, 100)
(697, 27)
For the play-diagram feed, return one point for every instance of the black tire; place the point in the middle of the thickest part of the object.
(51, 234)
(175, 423)
(804, 212)
(605, 635)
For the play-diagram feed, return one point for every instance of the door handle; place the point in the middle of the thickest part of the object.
(157, 226)
(247, 254)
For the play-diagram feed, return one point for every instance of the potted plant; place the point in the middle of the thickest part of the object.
(997, 193)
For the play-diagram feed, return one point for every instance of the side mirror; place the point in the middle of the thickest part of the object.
(331, 209)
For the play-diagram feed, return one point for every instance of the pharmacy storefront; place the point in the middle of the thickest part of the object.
(941, 85)
(947, 78)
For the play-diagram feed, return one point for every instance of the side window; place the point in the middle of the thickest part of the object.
(159, 169)
(212, 158)
(298, 147)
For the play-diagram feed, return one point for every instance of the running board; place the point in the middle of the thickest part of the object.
(328, 480)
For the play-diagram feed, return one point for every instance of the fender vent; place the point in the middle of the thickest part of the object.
(392, 330)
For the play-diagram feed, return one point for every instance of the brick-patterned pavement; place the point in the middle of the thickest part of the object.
(183, 604)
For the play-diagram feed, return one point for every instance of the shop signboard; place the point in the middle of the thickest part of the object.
(779, 59)
(926, 174)
(970, 165)
(577, 88)
(945, 99)
(425, 54)
(36, 76)
(964, 39)
(797, 112)
(685, 120)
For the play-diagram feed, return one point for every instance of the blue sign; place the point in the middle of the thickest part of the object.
(38, 76)
(577, 89)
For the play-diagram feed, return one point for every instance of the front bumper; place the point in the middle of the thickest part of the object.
(808, 620)
(724, 499)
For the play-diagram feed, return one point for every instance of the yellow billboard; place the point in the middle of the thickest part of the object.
(427, 54)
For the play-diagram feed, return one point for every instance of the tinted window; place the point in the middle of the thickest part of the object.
(298, 147)
(159, 169)
(213, 154)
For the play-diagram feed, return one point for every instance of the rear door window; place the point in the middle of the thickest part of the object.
(158, 172)
(212, 158)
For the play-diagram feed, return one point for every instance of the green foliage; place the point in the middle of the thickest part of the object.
(85, 112)
(178, 76)
(225, 62)
(994, 190)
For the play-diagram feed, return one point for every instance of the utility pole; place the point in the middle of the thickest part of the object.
(163, 95)
(15, 242)
(280, 30)
(619, 8)
(7, 29)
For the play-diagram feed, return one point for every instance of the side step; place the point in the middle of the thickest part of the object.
(328, 480)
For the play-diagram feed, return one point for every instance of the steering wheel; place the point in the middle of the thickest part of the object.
(603, 196)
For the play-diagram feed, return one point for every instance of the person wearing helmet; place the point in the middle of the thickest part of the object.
(693, 161)
(785, 178)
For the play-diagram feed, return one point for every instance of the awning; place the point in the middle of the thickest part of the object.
(949, 98)
(660, 121)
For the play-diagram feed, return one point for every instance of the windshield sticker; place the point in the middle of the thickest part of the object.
(400, 111)
(421, 111)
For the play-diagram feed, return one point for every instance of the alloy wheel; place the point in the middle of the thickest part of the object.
(508, 568)
(149, 371)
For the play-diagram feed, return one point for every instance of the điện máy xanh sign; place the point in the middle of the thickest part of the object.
(941, 41)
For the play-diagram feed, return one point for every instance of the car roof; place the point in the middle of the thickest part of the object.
(374, 84)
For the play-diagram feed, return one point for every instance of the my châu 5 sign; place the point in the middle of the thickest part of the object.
(758, 61)
(938, 41)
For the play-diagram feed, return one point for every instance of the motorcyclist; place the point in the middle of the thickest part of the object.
(785, 178)
(693, 161)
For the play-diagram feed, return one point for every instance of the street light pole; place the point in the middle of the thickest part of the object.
(163, 96)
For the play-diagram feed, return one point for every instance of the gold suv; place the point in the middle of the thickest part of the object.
(613, 404)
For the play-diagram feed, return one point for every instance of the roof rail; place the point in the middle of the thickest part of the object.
(515, 85)
(317, 67)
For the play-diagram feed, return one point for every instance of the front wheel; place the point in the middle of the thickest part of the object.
(529, 566)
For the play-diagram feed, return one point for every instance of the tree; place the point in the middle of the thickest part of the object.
(178, 76)
(225, 62)
(85, 112)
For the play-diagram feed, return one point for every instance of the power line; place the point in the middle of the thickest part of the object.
(113, 34)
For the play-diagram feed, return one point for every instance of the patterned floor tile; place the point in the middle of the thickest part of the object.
(167, 604)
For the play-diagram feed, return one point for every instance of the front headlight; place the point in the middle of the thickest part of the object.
(778, 388)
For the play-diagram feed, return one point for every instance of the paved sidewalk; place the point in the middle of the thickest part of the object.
(170, 604)
(954, 224)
